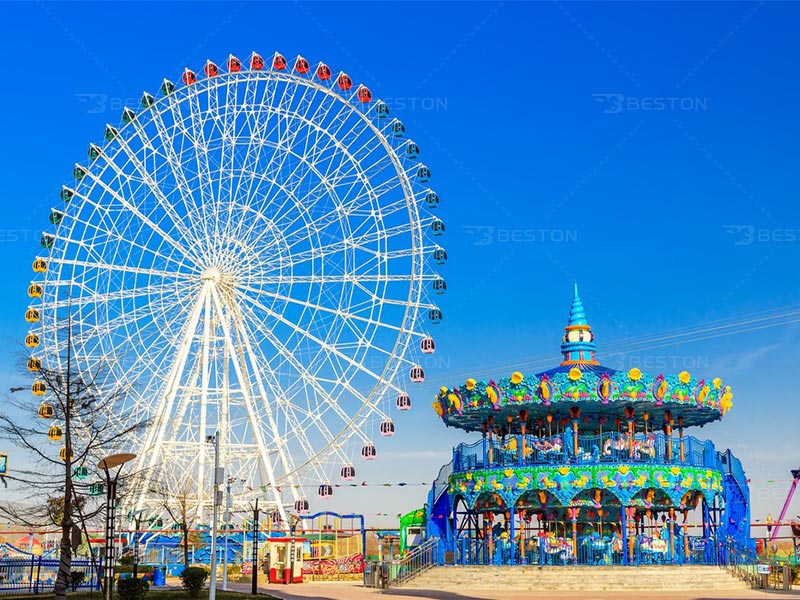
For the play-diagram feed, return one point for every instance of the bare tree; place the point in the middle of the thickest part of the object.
(86, 419)
(182, 509)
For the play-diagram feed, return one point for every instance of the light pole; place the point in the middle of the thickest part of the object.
(137, 522)
(254, 583)
(227, 519)
(218, 476)
(108, 465)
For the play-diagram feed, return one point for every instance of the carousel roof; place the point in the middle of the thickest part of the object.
(582, 389)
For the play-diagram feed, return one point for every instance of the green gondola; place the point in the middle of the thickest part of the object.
(94, 152)
(128, 115)
(47, 241)
(97, 489)
(81, 472)
(56, 217)
(66, 194)
(79, 172)
(167, 87)
(110, 133)
(147, 100)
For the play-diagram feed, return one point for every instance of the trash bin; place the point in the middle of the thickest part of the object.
(160, 576)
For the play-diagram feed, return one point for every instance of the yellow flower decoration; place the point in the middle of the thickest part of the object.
(623, 469)
(684, 377)
(443, 390)
(516, 377)
(491, 394)
(470, 384)
(635, 374)
(717, 383)
(437, 407)
(575, 374)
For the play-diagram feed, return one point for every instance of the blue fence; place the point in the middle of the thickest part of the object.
(519, 450)
(37, 575)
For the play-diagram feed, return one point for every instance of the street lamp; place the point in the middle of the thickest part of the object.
(218, 477)
(227, 520)
(111, 467)
(137, 523)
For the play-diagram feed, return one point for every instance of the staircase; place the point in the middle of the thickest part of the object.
(590, 579)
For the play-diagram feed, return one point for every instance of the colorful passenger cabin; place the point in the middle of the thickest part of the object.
(587, 464)
(412, 529)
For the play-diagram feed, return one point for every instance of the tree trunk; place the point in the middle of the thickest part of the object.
(186, 547)
(65, 558)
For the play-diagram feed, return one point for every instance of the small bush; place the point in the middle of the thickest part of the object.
(193, 580)
(132, 589)
(76, 579)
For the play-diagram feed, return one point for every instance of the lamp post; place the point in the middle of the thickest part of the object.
(254, 584)
(137, 522)
(227, 520)
(218, 476)
(111, 467)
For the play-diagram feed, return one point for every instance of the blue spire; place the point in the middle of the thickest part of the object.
(577, 345)
(577, 316)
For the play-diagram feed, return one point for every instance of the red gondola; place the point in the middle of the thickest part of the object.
(256, 62)
(323, 72)
(278, 62)
(344, 82)
(301, 65)
(364, 95)
(211, 70)
(234, 64)
(189, 77)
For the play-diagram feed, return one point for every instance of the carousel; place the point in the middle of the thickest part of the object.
(585, 464)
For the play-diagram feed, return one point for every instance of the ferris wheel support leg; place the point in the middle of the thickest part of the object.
(204, 378)
(251, 413)
(156, 432)
(285, 462)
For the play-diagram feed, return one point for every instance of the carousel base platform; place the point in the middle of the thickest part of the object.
(590, 579)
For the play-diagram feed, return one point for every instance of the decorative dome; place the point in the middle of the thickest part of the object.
(602, 397)
(578, 345)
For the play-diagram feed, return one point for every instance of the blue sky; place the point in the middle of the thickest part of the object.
(647, 151)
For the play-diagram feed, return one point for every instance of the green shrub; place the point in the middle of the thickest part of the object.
(132, 589)
(193, 580)
(142, 569)
(126, 560)
(76, 579)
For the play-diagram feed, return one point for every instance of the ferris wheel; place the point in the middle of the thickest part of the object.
(252, 252)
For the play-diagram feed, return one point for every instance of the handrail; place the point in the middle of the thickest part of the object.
(418, 560)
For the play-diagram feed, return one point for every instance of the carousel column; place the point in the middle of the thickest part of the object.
(573, 516)
(484, 447)
(623, 525)
(680, 439)
(523, 426)
(629, 414)
(668, 430)
(671, 534)
(575, 413)
(511, 534)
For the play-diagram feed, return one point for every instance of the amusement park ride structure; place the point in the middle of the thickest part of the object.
(250, 251)
(577, 464)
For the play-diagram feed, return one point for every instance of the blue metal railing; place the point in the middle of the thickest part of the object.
(37, 575)
(529, 450)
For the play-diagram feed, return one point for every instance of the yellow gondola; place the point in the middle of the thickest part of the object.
(55, 433)
(32, 340)
(46, 411)
(39, 388)
(35, 290)
(34, 364)
(32, 315)
(39, 265)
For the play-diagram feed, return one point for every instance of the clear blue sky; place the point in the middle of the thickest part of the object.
(647, 151)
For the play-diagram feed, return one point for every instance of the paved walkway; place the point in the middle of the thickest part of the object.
(349, 590)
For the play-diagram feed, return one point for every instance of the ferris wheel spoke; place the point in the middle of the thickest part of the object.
(128, 206)
(345, 315)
